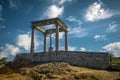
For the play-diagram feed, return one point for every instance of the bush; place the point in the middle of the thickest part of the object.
(3, 61)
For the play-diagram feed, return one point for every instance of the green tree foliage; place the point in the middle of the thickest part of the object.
(3, 60)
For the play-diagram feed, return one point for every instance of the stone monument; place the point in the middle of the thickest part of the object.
(60, 27)
(79, 58)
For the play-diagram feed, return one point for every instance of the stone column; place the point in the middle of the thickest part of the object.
(50, 48)
(50, 40)
(32, 41)
(57, 37)
(45, 42)
(66, 41)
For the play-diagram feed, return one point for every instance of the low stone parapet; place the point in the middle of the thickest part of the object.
(82, 59)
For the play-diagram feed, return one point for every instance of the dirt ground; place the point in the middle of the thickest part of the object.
(57, 71)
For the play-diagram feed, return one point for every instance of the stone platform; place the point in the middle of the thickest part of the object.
(83, 59)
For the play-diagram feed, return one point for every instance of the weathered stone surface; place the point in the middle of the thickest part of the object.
(84, 59)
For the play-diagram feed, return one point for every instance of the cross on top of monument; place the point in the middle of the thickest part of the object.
(59, 27)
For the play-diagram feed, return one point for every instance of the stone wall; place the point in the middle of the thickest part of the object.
(83, 59)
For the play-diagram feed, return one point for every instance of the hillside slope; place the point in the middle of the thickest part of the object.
(57, 71)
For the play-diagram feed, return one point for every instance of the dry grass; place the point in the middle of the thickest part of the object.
(59, 71)
(5, 70)
(8, 74)
(64, 71)
(14, 76)
(115, 63)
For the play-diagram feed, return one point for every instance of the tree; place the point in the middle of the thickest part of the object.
(3, 60)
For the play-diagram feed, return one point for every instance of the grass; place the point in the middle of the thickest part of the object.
(115, 64)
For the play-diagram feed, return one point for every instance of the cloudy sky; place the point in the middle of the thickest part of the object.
(94, 25)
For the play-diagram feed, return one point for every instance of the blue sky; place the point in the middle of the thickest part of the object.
(94, 25)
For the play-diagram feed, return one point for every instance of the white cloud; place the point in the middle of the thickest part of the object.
(97, 36)
(9, 50)
(77, 32)
(96, 11)
(24, 41)
(112, 27)
(73, 19)
(54, 11)
(100, 37)
(62, 1)
(14, 3)
(113, 48)
(71, 48)
(61, 34)
(82, 49)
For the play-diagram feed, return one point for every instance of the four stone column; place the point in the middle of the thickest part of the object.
(57, 40)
